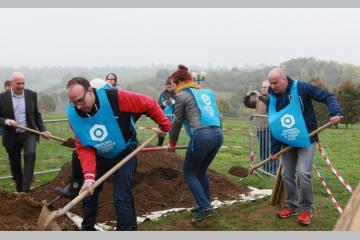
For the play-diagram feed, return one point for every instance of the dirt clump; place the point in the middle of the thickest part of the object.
(157, 185)
(19, 212)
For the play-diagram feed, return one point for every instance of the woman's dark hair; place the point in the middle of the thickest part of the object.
(181, 74)
(112, 74)
(168, 81)
(79, 80)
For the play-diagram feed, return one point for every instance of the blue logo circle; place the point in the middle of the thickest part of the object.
(98, 132)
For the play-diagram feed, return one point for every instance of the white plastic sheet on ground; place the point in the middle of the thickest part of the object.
(253, 195)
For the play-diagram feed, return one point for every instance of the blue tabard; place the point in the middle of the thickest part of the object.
(100, 131)
(209, 112)
(288, 125)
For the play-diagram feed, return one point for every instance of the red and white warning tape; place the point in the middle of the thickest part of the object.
(151, 149)
(337, 174)
(252, 157)
(326, 187)
(232, 129)
(224, 129)
(144, 128)
(230, 147)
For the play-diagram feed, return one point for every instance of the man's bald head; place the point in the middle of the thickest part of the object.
(278, 80)
(276, 73)
(17, 75)
(17, 82)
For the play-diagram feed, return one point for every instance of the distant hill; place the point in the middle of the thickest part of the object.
(230, 83)
(239, 80)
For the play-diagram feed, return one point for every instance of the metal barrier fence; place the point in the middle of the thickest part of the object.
(260, 144)
(51, 155)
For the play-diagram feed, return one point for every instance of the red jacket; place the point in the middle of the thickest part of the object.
(129, 103)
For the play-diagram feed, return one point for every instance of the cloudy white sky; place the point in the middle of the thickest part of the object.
(203, 37)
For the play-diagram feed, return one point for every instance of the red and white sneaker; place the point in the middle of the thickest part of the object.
(304, 217)
(286, 212)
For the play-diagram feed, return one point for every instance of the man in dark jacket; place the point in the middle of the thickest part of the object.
(291, 119)
(19, 107)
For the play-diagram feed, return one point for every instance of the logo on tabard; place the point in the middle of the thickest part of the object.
(98, 133)
(287, 121)
(206, 99)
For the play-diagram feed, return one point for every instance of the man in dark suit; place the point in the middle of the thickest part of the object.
(19, 107)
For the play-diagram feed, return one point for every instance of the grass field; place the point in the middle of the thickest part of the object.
(342, 146)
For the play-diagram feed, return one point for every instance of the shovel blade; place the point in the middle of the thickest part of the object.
(239, 171)
(47, 220)
(69, 143)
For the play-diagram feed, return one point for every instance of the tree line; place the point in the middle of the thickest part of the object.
(230, 83)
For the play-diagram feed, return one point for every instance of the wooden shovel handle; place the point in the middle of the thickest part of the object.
(288, 148)
(40, 133)
(161, 148)
(105, 176)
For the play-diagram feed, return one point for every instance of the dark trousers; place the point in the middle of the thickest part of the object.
(122, 196)
(160, 141)
(27, 142)
(77, 175)
(202, 149)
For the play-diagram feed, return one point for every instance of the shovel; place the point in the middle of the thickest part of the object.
(240, 171)
(161, 148)
(47, 218)
(50, 204)
(67, 143)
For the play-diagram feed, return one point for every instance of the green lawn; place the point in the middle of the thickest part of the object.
(342, 146)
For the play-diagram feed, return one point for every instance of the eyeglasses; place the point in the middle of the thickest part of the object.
(79, 101)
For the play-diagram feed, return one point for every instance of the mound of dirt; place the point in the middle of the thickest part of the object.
(157, 185)
(19, 212)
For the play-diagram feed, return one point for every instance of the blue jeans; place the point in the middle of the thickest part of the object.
(122, 196)
(202, 149)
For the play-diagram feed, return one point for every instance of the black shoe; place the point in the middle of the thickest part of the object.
(195, 209)
(70, 191)
(202, 215)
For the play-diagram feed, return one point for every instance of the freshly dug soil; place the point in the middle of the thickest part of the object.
(19, 212)
(238, 171)
(157, 185)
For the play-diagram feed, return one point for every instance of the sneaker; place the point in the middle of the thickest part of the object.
(304, 217)
(286, 212)
(195, 209)
(202, 215)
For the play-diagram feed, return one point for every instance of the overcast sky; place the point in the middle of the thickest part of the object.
(203, 37)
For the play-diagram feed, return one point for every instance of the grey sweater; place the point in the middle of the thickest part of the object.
(185, 108)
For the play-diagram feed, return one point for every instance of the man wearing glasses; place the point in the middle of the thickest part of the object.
(102, 122)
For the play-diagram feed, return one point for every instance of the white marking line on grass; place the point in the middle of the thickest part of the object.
(253, 195)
